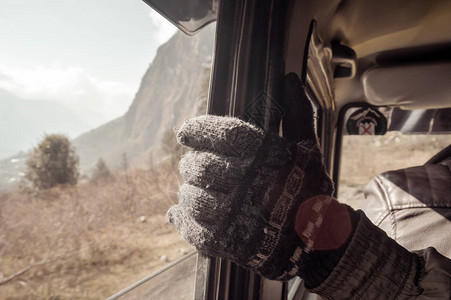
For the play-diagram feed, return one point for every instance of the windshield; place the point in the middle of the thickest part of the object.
(413, 137)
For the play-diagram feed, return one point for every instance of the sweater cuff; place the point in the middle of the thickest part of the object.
(372, 267)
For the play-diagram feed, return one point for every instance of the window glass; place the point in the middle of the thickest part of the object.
(176, 281)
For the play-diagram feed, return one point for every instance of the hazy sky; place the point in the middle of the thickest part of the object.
(87, 54)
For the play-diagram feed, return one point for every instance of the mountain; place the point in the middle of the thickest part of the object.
(24, 122)
(170, 91)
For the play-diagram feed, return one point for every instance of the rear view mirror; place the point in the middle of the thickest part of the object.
(187, 15)
(371, 120)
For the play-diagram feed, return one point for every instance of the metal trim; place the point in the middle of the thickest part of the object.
(149, 277)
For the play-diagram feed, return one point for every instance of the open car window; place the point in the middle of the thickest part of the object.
(105, 228)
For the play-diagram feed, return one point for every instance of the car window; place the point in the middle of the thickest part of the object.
(100, 226)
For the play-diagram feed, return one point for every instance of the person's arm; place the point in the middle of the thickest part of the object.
(265, 204)
(376, 267)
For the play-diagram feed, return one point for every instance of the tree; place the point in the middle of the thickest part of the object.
(52, 162)
(101, 172)
(203, 94)
(124, 162)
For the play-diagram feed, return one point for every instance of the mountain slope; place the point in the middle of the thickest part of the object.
(24, 122)
(170, 91)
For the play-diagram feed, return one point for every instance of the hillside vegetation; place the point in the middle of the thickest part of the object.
(89, 241)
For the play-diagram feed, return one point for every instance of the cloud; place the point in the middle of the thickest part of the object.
(164, 29)
(95, 100)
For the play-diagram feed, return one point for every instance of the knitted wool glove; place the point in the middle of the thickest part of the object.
(243, 193)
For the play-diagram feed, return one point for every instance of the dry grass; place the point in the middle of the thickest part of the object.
(95, 239)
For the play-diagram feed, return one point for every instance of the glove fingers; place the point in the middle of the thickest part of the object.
(213, 171)
(206, 207)
(225, 135)
(189, 229)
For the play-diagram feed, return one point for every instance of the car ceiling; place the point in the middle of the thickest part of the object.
(409, 39)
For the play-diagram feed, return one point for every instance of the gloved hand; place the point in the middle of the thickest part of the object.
(252, 197)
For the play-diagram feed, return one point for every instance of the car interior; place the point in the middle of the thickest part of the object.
(368, 67)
